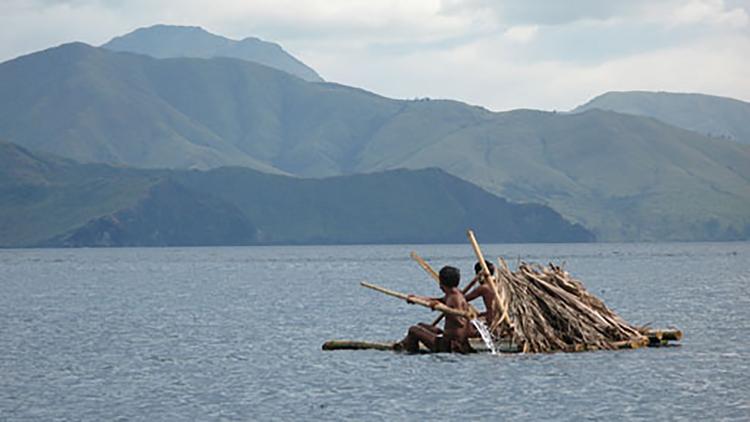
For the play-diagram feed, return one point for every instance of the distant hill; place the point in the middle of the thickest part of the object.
(165, 41)
(625, 177)
(707, 114)
(95, 105)
(48, 201)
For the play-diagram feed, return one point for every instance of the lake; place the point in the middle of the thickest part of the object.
(235, 334)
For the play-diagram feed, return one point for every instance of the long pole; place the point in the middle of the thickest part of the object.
(419, 301)
(488, 277)
(425, 266)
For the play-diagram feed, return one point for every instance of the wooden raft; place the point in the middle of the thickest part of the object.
(536, 310)
(656, 338)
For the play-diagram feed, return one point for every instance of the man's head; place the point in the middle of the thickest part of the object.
(478, 267)
(449, 276)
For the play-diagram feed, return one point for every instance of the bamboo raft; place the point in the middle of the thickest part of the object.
(656, 338)
(539, 310)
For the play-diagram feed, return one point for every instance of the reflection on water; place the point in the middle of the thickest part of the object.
(235, 333)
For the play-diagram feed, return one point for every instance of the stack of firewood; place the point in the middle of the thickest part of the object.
(544, 309)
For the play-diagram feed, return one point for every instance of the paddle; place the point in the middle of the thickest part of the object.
(488, 279)
(419, 301)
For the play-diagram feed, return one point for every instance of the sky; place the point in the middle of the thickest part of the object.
(499, 54)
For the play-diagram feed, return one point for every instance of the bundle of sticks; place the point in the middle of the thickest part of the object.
(544, 309)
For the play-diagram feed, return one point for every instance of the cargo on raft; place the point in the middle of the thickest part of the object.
(539, 310)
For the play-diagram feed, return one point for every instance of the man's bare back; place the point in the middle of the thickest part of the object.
(456, 327)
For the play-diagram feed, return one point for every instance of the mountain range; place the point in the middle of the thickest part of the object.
(622, 175)
(50, 201)
(165, 41)
(707, 114)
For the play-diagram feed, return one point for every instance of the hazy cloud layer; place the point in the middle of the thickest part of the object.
(499, 54)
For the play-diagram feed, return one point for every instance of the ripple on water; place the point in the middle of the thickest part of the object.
(235, 333)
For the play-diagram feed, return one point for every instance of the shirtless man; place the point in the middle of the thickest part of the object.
(485, 291)
(454, 337)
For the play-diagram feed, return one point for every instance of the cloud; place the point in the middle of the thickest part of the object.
(522, 33)
(596, 32)
(499, 54)
(543, 12)
(30, 26)
(712, 12)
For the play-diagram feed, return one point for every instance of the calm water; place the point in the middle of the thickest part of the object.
(235, 334)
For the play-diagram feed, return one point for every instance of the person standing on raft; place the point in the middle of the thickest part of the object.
(454, 337)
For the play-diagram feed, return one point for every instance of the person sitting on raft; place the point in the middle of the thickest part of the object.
(484, 291)
(454, 337)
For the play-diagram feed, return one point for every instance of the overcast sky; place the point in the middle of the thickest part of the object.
(498, 54)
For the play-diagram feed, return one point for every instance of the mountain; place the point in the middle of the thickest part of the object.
(165, 41)
(707, 114)
(625, 177)
(49, 201)
(95, 105)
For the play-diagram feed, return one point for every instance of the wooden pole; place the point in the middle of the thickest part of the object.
(480, 256)
(425, 266)
(659, 335)
(488, 279)
(419, 301)
(356, 345)
(633, 343)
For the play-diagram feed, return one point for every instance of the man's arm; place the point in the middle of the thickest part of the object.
(475, 293)
(433, 300)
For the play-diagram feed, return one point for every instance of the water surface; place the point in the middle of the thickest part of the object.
(235, 334)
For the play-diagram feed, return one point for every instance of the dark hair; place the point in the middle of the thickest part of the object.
(478, 267)
(450, 276)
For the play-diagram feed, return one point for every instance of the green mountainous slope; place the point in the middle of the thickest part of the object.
(94, 105)
(48, 201)
(625, 177)
(706, 114)
(164, 41)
